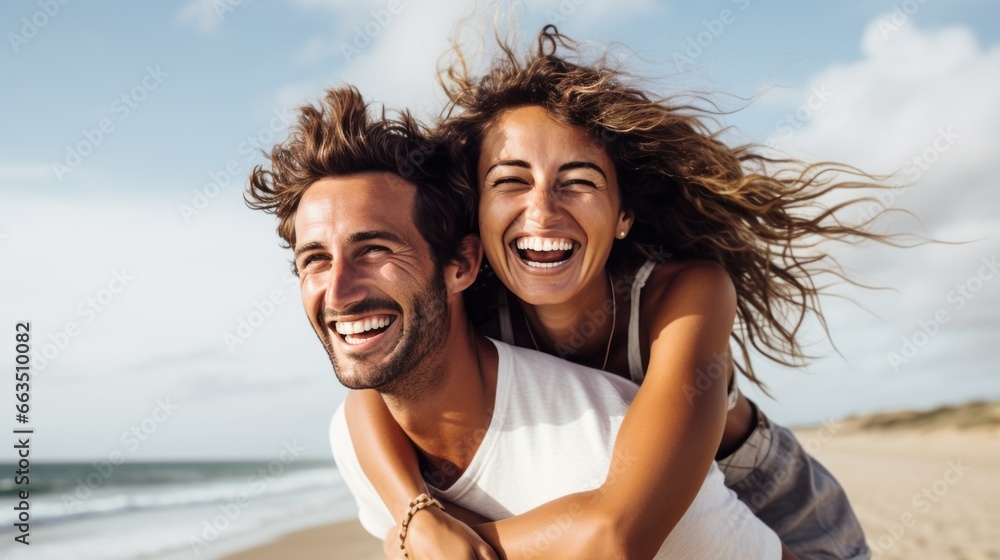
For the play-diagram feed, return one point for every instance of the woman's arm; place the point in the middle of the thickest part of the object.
(385, 453)
(666, 442)
(390, 463)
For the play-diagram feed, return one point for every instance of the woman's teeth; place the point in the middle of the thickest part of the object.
(542, 252)
(544, 264)
(543, 244)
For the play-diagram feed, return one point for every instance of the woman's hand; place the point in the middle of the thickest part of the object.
(433, 534)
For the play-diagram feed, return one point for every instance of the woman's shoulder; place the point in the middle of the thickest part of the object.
(697, 280)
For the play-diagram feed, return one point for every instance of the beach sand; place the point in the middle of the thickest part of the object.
(339, 541)
(925, 485)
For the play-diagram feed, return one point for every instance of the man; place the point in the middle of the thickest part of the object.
(383, 251)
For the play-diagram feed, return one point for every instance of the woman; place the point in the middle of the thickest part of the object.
(631, 239)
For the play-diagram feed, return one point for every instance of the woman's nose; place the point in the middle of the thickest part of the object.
(543, 208)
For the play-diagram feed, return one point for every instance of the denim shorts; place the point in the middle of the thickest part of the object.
(794, 495)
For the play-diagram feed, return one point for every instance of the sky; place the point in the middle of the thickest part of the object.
(165, 324)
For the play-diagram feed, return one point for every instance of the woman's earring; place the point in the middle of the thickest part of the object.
(622, 235)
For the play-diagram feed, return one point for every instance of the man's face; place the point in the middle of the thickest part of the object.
(369, 284)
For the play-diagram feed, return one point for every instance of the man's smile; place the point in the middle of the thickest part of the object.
(363, 329)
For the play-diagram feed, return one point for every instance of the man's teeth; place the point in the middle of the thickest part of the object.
(363, 325)
(544, 244)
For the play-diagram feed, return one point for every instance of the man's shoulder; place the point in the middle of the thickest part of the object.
(340, 437)
(372, 513)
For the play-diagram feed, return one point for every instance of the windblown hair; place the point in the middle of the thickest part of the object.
(693, 197)
(339, 138)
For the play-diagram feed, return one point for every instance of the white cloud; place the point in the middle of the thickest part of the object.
(588, 14)
(920, 103)
(203, 15)
(923, 102)
(393, 57)
(340, 6)
(390, 56)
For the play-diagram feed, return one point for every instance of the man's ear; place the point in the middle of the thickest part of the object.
(462, 271)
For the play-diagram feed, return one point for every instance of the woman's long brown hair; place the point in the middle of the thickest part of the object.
(762, 217)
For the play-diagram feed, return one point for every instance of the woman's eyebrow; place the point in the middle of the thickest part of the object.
(564, 167)
(582, 165)
(513, 162)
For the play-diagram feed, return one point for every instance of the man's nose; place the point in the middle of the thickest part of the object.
(543, 208)
(345, 285)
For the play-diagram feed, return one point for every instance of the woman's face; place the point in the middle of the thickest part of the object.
(549, 209)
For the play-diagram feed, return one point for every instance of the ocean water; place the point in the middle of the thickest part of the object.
(166, 511)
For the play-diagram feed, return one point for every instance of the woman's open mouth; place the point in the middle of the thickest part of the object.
(544, 252)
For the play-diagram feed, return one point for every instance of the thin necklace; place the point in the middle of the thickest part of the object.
(614, 318)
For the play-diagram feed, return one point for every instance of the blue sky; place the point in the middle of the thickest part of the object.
(130, 130)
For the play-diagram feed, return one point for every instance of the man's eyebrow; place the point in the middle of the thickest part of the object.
(582, 165)
(361, 236)
(513, 162)
(357, 237)
(307, 247)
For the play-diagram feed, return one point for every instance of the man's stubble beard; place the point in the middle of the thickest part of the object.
(413, 368)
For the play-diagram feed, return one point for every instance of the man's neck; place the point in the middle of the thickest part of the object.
(448, 423)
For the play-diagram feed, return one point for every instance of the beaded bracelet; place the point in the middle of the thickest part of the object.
(418, 503)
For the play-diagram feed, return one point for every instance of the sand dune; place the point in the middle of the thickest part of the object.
(925, 485)
(963, 417)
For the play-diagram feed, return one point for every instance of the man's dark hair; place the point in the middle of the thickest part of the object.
(338, 138)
